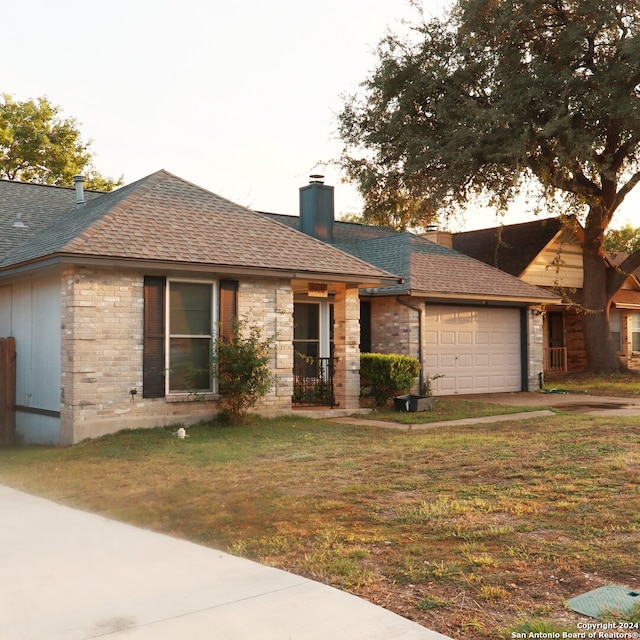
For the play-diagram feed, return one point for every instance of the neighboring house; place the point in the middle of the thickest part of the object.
(548, 253)
(114, 302)
(474, 325)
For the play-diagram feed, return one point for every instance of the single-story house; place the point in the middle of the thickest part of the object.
(474, 328)
(114, 300)
(548, 253)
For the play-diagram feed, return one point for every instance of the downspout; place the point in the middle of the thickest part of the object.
(421, 310)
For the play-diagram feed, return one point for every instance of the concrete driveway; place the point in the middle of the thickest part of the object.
(70, 575)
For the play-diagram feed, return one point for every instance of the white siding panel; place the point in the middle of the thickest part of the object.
(36, 328)
(5, 311)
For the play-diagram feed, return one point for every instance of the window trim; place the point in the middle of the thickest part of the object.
(213, 284)
(635, 329)
(154, 330)
(616, 336)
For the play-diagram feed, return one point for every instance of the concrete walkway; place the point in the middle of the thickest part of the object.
(70, 575)
(445, 423)
(550, 405)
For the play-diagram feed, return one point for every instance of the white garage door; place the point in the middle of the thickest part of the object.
(476, 350)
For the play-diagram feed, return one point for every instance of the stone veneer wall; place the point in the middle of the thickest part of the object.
(535, 350)
(269, 304)
(101, 348)
(346, 344)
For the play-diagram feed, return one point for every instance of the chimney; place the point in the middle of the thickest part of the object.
(443, 238)
(316, 209)
(79, 180)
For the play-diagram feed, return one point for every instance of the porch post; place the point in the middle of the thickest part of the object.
(346, 342)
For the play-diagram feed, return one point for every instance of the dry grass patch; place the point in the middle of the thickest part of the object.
(617, 385)
(475, 531)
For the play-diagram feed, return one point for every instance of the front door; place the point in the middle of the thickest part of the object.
(556, 329)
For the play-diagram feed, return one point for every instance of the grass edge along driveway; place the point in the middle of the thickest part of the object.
(476, 531)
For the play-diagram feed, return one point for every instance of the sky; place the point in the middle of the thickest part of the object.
(239, 97)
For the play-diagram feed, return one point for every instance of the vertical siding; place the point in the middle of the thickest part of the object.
(35, 324)
(5, 311)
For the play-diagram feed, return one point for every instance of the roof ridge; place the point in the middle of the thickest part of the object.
(48, 186)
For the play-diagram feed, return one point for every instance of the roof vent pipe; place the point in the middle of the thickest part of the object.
(18, 223)
(79, 180)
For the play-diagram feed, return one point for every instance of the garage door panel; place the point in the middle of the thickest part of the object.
(482, 359)
(465, 360)
(431, 337)
(447, 385)
(464, 384)
(476, 350)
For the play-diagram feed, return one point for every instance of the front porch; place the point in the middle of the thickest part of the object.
(326, 347)
(563, 346)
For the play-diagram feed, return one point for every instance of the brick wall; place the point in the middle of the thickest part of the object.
(394, 328)
(101, 348)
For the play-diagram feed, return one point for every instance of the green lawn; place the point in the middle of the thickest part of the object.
(477, 531)
(617, 385)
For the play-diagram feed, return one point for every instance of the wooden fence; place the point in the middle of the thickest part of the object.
(7, 391)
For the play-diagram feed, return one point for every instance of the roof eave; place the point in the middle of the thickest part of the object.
(157, 266)
(452, 296)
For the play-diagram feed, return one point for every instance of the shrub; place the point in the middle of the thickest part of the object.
(388, 375)
(242, 366)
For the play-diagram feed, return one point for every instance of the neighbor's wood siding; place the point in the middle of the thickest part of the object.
(558, 265)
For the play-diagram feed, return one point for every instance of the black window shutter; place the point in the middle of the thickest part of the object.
(365, 326)
(153, 358)
(228, 306)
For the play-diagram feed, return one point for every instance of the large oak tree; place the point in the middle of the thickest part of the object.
(498, 94)
(38, 145)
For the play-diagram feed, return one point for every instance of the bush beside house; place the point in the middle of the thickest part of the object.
(387, 375)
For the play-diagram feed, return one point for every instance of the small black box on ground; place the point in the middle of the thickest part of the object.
(413, 403)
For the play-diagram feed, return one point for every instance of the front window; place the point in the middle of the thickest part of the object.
(615, 326)
(635, 331)
(190, 336)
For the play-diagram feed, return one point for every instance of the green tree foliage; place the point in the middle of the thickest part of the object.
(242, 367)
(623, 240)
(38, 145)
(499, 94)
(388, 374)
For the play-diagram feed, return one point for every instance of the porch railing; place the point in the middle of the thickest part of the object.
(555, 359)
(313, 381)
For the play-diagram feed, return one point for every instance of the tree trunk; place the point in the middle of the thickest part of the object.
(601, 353)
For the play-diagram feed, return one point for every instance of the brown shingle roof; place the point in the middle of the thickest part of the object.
(167, 219)
(428, 269)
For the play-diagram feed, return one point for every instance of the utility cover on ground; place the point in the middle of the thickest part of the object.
(604, 599)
